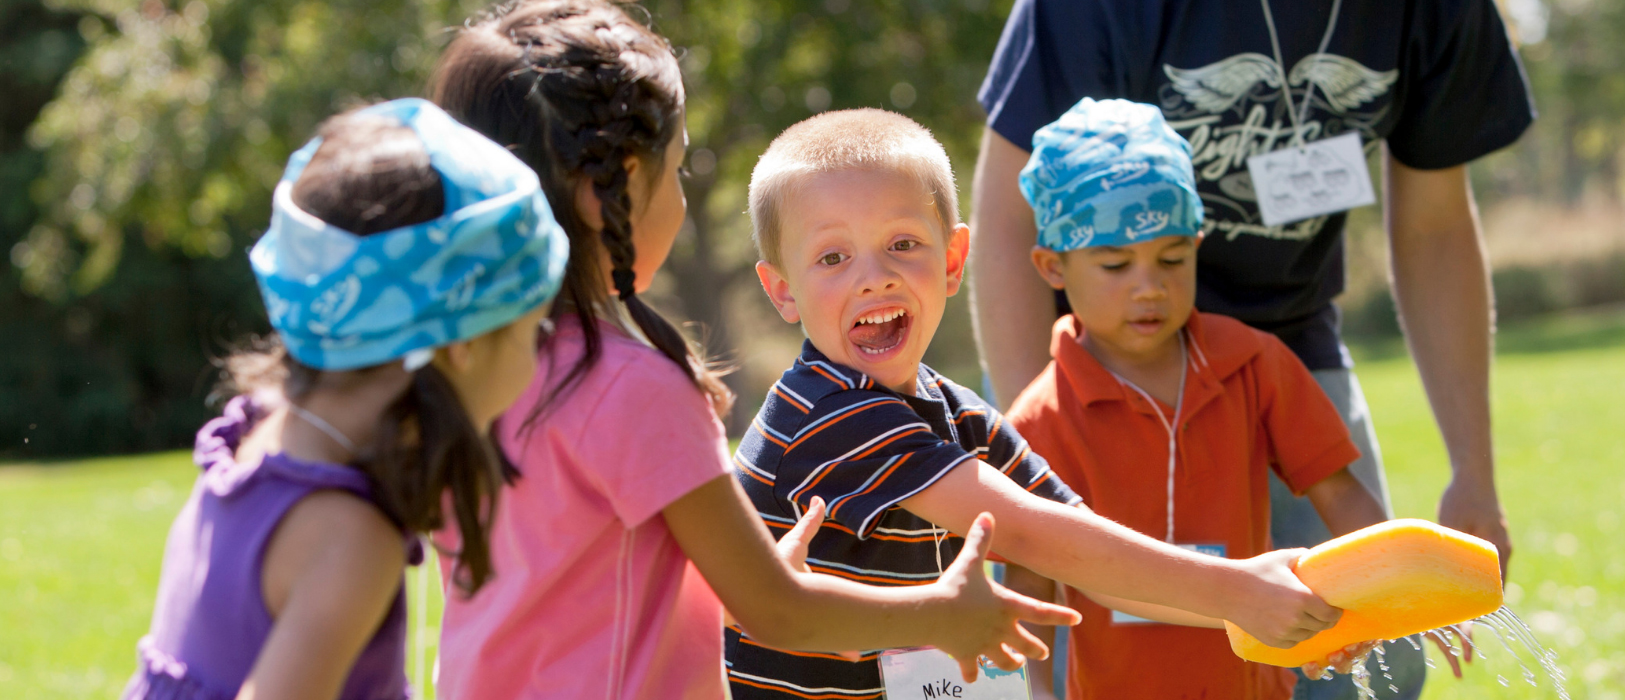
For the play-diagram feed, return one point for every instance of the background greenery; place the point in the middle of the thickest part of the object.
(80, 543)
(140, 139)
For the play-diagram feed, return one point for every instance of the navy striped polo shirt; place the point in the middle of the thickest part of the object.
(830, 431)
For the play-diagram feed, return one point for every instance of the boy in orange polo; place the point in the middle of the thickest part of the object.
(1160, 418)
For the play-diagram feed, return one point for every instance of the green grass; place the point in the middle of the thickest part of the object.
(80, 542)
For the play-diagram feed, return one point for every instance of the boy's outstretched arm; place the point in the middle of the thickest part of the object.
(1075, 546)
(1344, 504)
(962, 613)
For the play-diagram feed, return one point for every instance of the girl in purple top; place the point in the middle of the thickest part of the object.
(407, 269)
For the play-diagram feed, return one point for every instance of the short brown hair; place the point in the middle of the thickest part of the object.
(850, 139)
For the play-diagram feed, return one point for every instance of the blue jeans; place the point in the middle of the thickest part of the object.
(1294, 523)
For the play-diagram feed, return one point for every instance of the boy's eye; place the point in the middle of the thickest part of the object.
(1114, 267)
(905, 245)
(831, 259)
(1174, 262)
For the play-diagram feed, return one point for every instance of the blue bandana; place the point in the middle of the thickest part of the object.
(1110, 173)
(342, 301)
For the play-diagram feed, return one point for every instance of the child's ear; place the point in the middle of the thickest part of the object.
(1049, 266)
(958, 251)
(454, 359)
(588, 206)
(778, 291)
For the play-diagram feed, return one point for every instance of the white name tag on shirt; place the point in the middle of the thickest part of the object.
(931, 674)
(1317, 178)
(1213, 550)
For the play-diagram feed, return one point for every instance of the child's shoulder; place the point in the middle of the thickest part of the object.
(1226, 344)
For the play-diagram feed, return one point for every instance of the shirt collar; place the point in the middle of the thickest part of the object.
(1218, 348)
(927, 383)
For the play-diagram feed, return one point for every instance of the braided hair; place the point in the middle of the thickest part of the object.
(576, 88)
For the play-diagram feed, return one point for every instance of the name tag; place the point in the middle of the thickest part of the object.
(931, 674)
(1213, 550)
(1317, 178)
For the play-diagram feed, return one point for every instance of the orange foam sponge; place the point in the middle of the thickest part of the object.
(1392, 579)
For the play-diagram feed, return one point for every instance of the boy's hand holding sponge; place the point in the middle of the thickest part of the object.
(1392, 579)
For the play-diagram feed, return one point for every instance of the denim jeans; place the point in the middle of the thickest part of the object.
(1294, 523)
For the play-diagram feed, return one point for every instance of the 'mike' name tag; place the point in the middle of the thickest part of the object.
(1213, 550)
(1320, 177)
(931, 674)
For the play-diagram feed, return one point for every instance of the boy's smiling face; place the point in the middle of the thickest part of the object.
(866, 267)
(1131, 300)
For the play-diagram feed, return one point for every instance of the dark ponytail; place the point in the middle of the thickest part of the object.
(574, 88)
(372, 175)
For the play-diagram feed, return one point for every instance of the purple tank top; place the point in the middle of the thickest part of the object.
(210, 620)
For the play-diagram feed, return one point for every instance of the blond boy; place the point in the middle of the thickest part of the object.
(858, 228)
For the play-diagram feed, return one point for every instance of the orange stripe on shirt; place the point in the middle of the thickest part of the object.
(793, 402)
(865, 453)
(1045, 478)
(826, 696)
(827, 375)
(769, 437)
(806, 654)
(873, 536)
(883, 477)
(860, 577)
(961, 417)
(838, 418)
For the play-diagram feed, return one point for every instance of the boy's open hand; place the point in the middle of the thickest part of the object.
(1274, 606)
(985, 615)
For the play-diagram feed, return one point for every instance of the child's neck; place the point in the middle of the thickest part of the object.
(1157, 371)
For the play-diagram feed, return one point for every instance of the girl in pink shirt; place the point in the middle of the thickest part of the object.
(625, 526)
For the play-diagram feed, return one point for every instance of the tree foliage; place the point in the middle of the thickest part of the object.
(152, 166)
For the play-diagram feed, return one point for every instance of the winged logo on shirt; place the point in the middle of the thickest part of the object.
(1233, 108)
(1342, 82)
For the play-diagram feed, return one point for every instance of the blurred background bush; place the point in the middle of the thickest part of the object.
(140, 140)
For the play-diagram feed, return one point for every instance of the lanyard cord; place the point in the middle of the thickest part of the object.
(1280, 66)
(1171, 427)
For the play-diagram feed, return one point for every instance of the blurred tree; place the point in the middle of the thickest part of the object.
(167, 137)
(152, 171)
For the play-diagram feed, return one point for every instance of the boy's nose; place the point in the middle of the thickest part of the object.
(1150, 286)
(879, 277)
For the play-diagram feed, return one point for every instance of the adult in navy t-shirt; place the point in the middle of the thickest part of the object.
(1437, 81)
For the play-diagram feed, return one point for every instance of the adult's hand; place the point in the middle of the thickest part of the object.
(1442, 290)
(1012, 308)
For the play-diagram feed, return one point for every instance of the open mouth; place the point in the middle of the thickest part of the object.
(1147, 324)
(879, 332)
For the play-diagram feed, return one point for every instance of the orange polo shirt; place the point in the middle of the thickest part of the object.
(1249, 406)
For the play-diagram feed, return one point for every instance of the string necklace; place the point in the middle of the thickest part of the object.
(1171, 426)
(1280, 67)
(324, 426)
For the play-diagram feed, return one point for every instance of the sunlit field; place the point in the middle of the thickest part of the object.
(80, 542)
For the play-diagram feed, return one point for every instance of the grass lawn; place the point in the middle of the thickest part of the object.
(80, 543)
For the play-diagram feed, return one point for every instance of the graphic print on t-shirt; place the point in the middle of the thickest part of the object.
(1233, 109)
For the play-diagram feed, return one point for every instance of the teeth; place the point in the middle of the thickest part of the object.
(881, 316)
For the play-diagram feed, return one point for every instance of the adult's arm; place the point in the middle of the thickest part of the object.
(1011, 307)
(1442, 290)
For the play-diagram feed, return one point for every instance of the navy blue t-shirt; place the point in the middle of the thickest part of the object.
(1438, 79)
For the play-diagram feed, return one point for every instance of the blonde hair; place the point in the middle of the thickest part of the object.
(851, 139)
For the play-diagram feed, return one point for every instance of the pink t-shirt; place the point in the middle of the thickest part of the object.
(592, 596)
